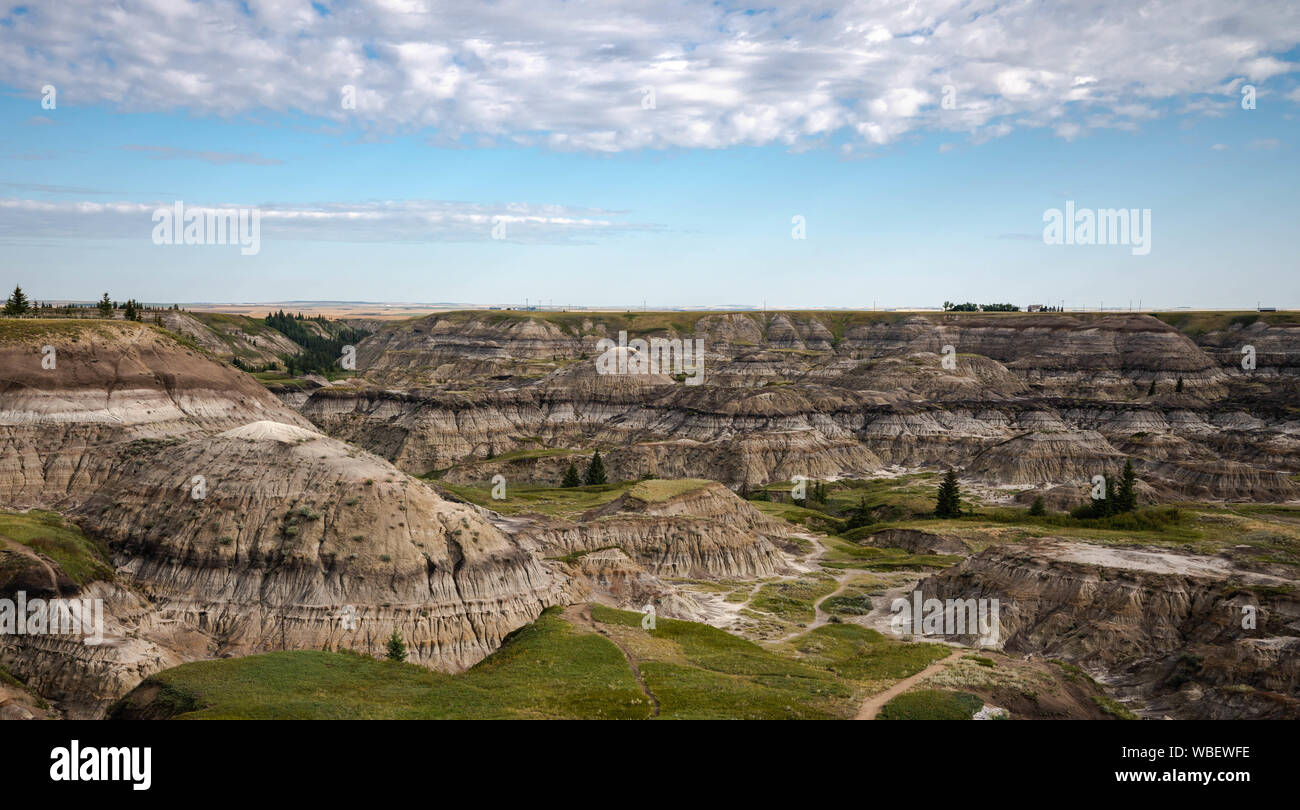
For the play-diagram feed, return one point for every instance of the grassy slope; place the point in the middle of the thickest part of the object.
(554, 501)
(544, 670)
(931, 704)
(551, 670)
(81, 558)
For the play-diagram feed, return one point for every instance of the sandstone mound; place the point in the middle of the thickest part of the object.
(1041, 457)
(689, 529)
(265, 430)
(233, 526)
(1167, 625)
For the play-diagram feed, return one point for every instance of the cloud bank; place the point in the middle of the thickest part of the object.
(615, 75)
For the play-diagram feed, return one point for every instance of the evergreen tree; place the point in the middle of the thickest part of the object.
(860, 516)
(571, 478)
(1105, 507)
(105, 307)
(595, 471)
(132, 314)
(1178, 389)
(396, 647)
(819, 492)
(17, 304)
(1038, 508)
(948, 504)
(1126, 495)
(1152, 390)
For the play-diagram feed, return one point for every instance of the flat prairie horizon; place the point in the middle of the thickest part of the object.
(383, 311)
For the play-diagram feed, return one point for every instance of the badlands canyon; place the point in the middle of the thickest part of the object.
(275, 526)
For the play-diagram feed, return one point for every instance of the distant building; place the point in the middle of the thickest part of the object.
(1034, 308)
(1268, 309)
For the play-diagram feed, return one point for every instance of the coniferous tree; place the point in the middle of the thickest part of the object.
(1109, 503)
(132, 314)
(860, 516)
(1178, 389)
(595, 471)
(948, 504)
(571, 478)
(105, 307)
(17, 304)
(1152, 390)
(396, 647)
(1126, 496)
(1038, 508)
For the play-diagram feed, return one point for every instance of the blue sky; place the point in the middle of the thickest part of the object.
(758, 118)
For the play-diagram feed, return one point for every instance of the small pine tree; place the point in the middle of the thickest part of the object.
(860, 516)
(1178, 389)
(17, 304)
(1126, 495)
(1152, 390)
(571, 478)
(595, 471)
(105, 307)
(1038, 508)
(948, 504)
(132, 314)
(396, 647)
(1107, 505)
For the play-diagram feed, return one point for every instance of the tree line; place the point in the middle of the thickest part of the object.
(320, 354)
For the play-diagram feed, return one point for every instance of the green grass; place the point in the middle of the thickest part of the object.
(1114, 708)
(791, 600)
(861, 654)
(931, 704)
(547, 669)
(857, 603)
(83, 559)
(544, 670)
(554, 501)
(657, 490)
(842, 554)
(698, 671)
(20, 329)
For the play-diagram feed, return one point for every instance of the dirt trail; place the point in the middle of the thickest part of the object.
(580, 616)
(872, 705)
(819, 616)
(15, 546)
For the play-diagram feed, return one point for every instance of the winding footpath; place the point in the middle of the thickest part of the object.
(873, 704)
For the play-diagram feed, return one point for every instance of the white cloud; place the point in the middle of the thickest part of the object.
(388, 221)
(570, 76)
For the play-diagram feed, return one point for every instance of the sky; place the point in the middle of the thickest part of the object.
(859, 154)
